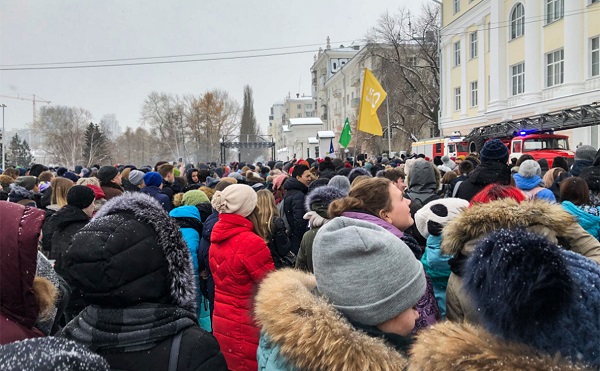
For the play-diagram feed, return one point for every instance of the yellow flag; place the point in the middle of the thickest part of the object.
(372, 97)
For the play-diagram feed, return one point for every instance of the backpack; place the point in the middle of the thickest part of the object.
(455, 190)
(188, 222)
(281, 208)
(532, 193)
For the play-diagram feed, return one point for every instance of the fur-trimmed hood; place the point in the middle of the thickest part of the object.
(310, 333)
(324, 195)
(538, 216)
(454, 346)
(148, 210)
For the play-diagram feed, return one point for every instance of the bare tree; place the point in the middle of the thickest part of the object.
(406, 55)
(163, 113)
(210, 117)
(136, 147)
(63, 129)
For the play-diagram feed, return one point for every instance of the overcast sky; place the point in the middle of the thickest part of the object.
(85, 30)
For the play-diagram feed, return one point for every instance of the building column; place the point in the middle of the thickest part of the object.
(573, 30)
(498, 48)
(464, 85)
(482, 80)
(449, 62)
(534, 54)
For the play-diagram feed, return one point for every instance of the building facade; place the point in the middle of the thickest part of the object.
(510, 59)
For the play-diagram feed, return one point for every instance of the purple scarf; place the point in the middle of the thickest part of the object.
(429, 312)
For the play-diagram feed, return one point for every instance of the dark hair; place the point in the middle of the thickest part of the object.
(45, 176)
(392, 174)
(465, 167)
(159, 164)
(576, 190)
(560, 161)
(202, 175)
(524, 157)
(447, 178)
(165, 169)
(370, 195)
(299, 170)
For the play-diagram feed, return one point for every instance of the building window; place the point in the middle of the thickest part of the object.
(554, 10)
(299, 106)
(457, 53)
(517, 73)
(596, 56)
(473, 42)
(517, 21)
(457, 99)
(456, 6)
(474, 94)
(308, 106)
(299, 114)
(555, 68)
(412, 61)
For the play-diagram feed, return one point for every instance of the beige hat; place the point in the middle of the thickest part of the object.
(236, 199)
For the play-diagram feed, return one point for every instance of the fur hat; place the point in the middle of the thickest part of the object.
(27, 182)
(80, 196)
(136, 177)
(153, 178)
(340, 182)
(530, 291)
(585, 153)
(529, 169)
(61, 170)
(194, 197)
(446, 161)
(366, 272)
(37, 169)
(107, 173)
(435, 215)
(494, 150)
(319, 198)
(358, 171)
(236, 199)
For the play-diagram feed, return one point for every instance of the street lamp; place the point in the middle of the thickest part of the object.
(3, 139)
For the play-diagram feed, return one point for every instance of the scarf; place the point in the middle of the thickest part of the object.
(132, 329)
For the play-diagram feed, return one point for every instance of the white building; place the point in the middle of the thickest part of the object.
(511, 59)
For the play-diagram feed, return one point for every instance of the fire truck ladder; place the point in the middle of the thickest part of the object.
(570, 118)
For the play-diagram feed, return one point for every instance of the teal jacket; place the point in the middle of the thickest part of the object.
(587, 220)
(436, 265)
(192, 240)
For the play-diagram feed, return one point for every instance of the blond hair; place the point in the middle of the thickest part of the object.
(86, 181)
(60, 187)
(265, 203)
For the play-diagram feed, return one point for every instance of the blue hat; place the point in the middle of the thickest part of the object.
(153, 179)
(494, 150)
(71, 176)
(530, 291)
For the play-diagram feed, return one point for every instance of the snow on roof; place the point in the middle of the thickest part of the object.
(325, 134)
(306, 121)
(313, 140)
(285, 128)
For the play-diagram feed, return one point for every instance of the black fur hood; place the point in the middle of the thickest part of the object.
(324, 195)
(130, 227)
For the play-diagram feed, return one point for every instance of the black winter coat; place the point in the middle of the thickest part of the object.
(59, 228)
(198, 351)
(279, 243)
(484, 174)
(128, 187)
(207, 286)
(293, 205)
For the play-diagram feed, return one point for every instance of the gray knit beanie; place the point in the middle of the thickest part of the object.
(587, 153)
(340, 182)
(136, 177)
(366, 272)
(529, 169)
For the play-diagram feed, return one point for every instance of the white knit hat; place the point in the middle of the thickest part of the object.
(236, 199)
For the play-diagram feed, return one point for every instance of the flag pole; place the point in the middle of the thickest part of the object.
(356, 144)
(387, 109)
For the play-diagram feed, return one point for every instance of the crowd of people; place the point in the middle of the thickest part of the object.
(467, 263)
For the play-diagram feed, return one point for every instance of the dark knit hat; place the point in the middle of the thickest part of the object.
(530, 291)
(585, 153)
(71, 176)
(27, 182)
(37, 169)
(153, 179)
(80, 196)
(494, 150)
(61, 170)
(107, 173)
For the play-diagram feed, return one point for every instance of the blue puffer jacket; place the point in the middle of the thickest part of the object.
(589, 222)
(527, 184)
(192, 240)
(156, 193)
(436, 265)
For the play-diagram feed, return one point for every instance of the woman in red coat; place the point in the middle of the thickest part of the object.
(238, 259)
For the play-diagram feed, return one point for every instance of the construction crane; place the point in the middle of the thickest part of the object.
(34, 99)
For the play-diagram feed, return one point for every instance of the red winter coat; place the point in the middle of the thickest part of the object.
(20, 228)
(238, 259)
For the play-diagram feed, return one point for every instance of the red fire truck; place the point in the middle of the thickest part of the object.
(535, 135)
